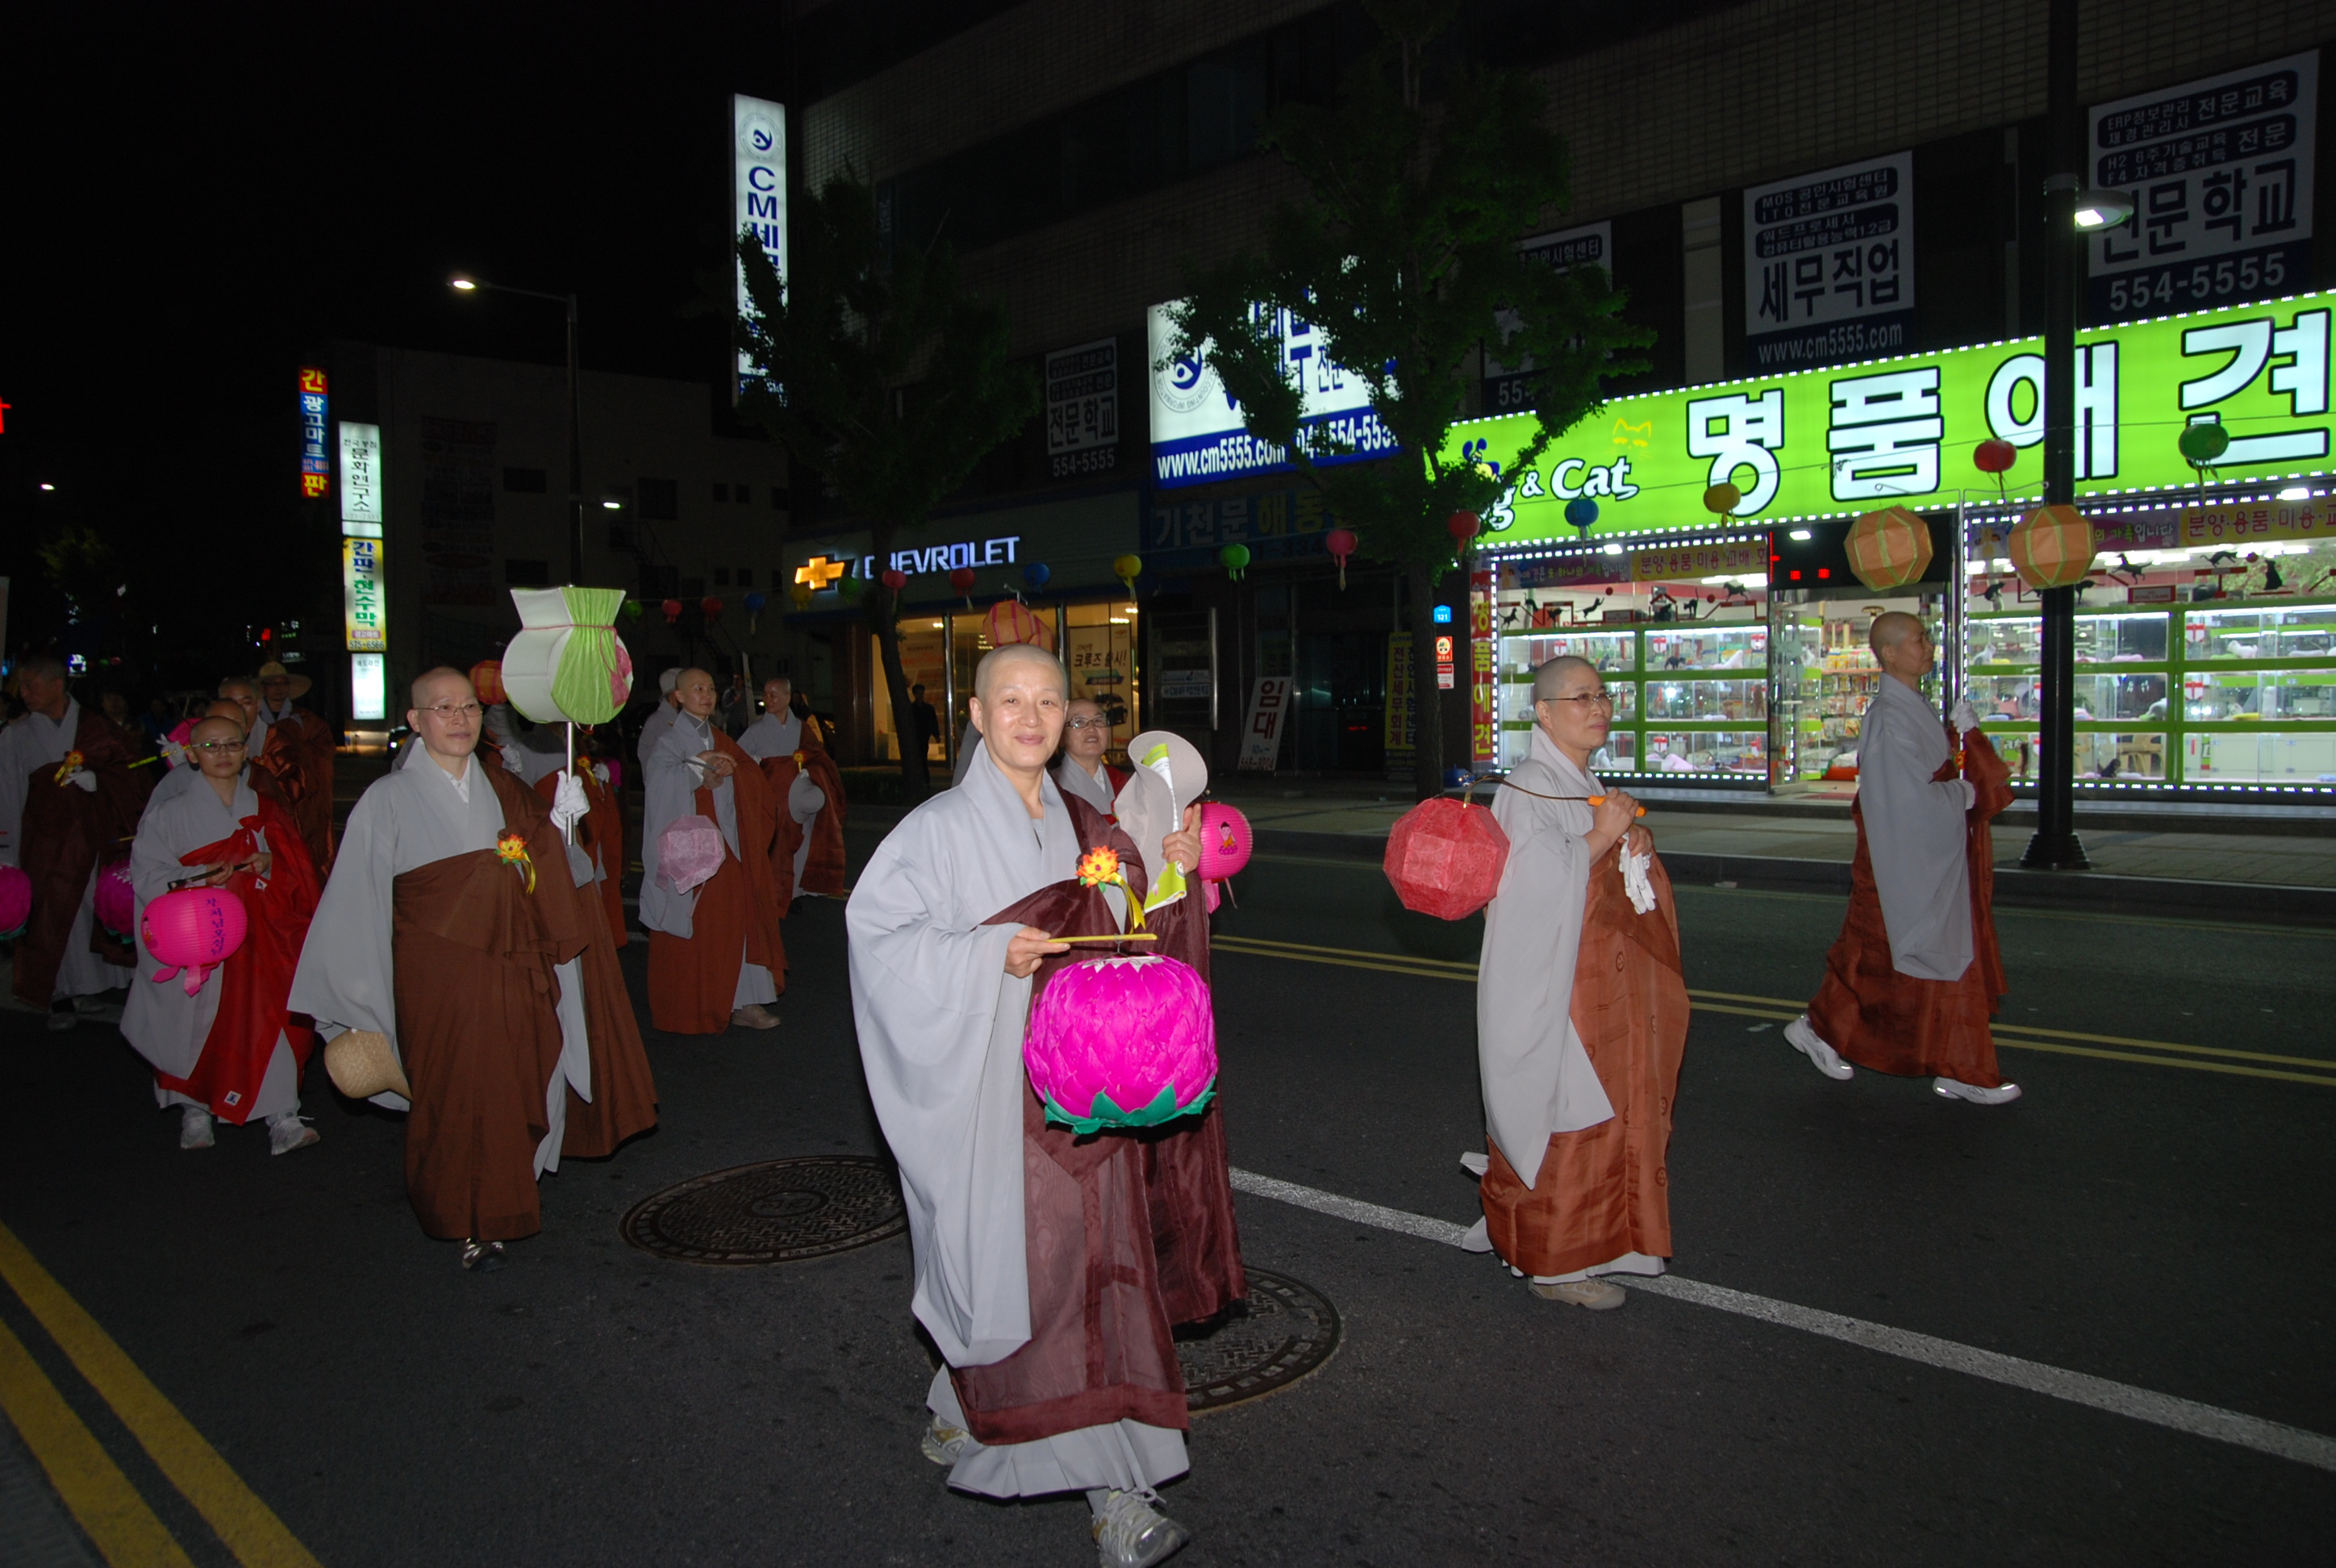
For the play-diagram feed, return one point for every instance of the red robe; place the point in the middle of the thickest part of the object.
(314, 810)
(824, 867)
(66, 831)
(1895, 1023)
(603, 830)
(256, 978)
(693, 979)
(1129, 1233)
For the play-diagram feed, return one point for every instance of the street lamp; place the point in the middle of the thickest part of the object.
(463, 283)
(2098, 210)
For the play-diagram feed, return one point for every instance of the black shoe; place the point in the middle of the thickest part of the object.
(482, 1257)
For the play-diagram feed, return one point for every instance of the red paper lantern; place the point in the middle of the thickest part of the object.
(487, 680)
(1340, 542)
(1995, 455)
(1462, 526)
(962, 579)
(895, 579)
(711, 606)
(1888, 548)
(1446, 858)
(2051, 546)
(672, 608)
(1009, 621)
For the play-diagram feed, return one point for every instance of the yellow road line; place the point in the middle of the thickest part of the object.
(108, 1507)
(249, 1528)
(2006, 1035)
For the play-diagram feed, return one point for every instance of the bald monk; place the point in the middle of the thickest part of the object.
(807, 856)
(232, 1050)
(1582, 1016)
(281, 752)
(1914, 976)
(715, 957)
(1050, 1269)
(70, 796)
(453, 927)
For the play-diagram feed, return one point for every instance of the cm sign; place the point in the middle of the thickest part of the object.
(1197, 435)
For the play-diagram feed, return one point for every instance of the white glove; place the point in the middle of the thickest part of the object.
(84, 780)
(805, 800)
(600, 772)
(567, 802)
(1965, 716)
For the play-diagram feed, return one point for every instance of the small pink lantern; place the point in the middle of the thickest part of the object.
(194, 930)
(117, 900)
(15, 903)
(1122, 1042)
(1446, 858)
(689, 851)
(1340, 542)
(1224, 842)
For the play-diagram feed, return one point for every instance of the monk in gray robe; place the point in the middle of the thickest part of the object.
(1050, 1270)
(1081, 770)
(231, 1049)
(1582, 1016)
(653, 727)
(453, 927)
(807, 856)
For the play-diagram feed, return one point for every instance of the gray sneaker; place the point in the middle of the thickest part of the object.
(1595, 1294)
(1805, 1039)
(1130, 1532)
(1954, 1089)
(944, 1443)
(289, 1132)
(194, 1127)
(62, 1015)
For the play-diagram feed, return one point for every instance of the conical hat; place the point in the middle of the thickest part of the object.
(361, 1066)
(1167, 774)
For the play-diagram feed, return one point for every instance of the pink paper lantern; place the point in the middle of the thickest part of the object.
(15, 903)
(689, 853)
(195, 930)
(1446, 858)
(1224, 842)
(1122, 1042)
(117, 900)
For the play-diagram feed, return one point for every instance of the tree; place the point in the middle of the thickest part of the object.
(880, 375)
(1404, 259)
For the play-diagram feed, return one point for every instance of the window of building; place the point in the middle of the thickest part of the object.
(692, 587)
(781, 498)
(746, 577)
(526, 481)
(660, 500)
(722, 577)
(744, 492)
(721, 492)
(518, 573)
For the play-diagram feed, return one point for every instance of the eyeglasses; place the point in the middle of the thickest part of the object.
(1605, 699)
(446, 710)
(217, 745)
(1088, 724)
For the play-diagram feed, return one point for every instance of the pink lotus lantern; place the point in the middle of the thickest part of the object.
(1446, 858)
(1122, 1042)
(15, 903)
(195, 930)
(117, 902)
(688, 853)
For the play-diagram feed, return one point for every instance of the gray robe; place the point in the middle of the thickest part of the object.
(1538, 1078)
(941, 1025)
(166, 1026)
(773, 735)
(35, 741)
(653, 729)
(1095, 788)
(1915, 834)
(411, 817)
(671, 774)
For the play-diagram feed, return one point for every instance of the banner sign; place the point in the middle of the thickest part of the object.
(2220, 174)
(365, 604)
(1402, 710)
(1847, 439)
(1483, 715)
(1277, 525)
(1829, 264)
(360, 473)
(1507, 389)
(1268, 710)
(2240, 526)
(758, 183)
(316, 461)
(1083, 409)
(1197, 435)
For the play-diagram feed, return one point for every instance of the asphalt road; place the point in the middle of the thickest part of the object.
(2160, 1226)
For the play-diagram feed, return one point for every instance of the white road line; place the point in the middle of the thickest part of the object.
(2199, 1420)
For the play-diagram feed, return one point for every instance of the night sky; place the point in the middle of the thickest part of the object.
(193, 204)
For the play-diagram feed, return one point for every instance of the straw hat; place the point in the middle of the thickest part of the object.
(272, 670)
(361, 1066)
(1145, 808)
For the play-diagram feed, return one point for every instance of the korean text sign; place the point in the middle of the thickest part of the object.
(1848, 439)
(315, 420)
(360, 473)
(1829, 264)
(1197, 433)
(364, 601)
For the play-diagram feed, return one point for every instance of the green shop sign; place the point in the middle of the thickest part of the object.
(1845, 440)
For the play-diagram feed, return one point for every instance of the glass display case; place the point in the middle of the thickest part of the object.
(1825, 676)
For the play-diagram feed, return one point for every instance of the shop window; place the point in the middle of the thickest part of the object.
(526, 481)
(660, 500)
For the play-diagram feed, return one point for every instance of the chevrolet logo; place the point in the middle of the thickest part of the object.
(820, 572)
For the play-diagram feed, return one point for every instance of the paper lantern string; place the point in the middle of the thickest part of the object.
(1101, 868)
(1586, 800)
(70, 766)
(511, 849)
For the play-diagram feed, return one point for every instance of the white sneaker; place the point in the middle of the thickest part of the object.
(754, 1016)
(289, 1132)
(944, 1443)
(1804, 1039)
(1595, 1294)
(194, 1127)
(1129, 1533)
(1955, 1089)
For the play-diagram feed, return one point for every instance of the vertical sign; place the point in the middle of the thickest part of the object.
(1083, 409)
(1508, 389)
(1482, 723)
(1269, 713)
(1401, 710)
(315, 461)
(368, 686)
(758, 182)
(2220, 173)
(364, 606)
(360, 473)
(1829, 264)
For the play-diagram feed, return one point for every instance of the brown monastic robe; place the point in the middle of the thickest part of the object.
(692, 980)
(314, 810)
(1878, 1018)
(602, 832)
(1603, 1192)
(66, 833)
(824, 867)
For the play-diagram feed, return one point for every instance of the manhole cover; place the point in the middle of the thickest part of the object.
(776, 1212)
(1286, 1329)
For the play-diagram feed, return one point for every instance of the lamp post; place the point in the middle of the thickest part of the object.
(463, 283)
